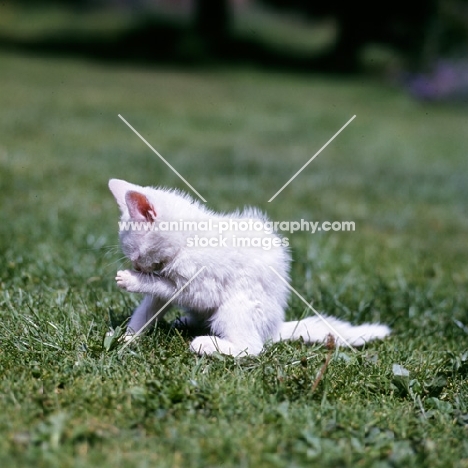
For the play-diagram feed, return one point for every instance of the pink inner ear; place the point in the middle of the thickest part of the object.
(139, 207)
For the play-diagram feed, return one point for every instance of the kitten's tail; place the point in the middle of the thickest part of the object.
(317, 329)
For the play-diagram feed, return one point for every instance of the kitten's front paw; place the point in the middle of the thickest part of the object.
(126, 337)
(127, 280)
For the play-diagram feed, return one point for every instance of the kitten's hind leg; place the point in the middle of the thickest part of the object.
(238, 326)
(211, 344)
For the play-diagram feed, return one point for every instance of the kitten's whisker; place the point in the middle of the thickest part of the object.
(118, 261)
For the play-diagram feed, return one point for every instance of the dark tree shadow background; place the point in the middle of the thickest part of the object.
(418, 32)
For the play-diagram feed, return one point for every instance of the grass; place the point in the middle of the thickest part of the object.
(399, 171)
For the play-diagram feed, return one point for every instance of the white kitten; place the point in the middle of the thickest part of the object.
(237, 292)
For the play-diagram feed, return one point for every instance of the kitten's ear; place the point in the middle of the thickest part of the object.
(119, 188)
(131, 200)
(139, 206)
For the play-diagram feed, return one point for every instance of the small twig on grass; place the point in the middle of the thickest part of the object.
(331, 347)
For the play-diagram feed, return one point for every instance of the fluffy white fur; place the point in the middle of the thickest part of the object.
(237, 297)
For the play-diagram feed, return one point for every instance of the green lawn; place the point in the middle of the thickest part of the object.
(399, 171)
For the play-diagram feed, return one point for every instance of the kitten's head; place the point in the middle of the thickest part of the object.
(147, 249)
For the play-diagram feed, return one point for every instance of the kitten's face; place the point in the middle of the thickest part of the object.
(148, 250)
(139, 249)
